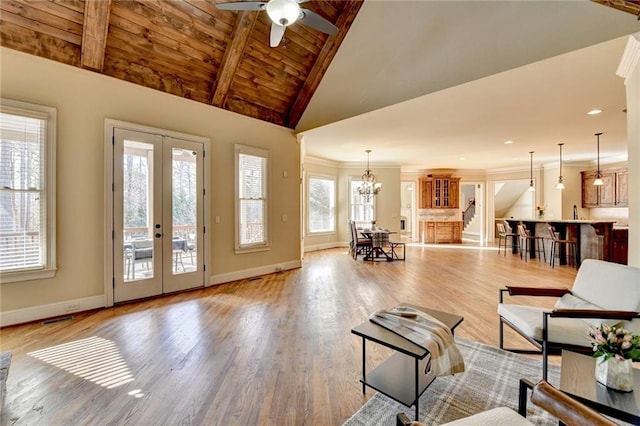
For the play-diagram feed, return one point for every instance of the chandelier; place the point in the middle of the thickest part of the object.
(369, 186)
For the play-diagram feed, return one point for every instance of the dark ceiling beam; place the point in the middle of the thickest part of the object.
(232, 56)
(94, 33)
(321, 65)
(629, 6)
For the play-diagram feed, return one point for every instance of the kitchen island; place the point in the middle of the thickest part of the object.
(594, 237)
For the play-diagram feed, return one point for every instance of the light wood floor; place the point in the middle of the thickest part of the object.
(276, 350)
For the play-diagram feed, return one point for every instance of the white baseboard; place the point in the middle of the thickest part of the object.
(324, 246)
(253, 272)
(35, 313)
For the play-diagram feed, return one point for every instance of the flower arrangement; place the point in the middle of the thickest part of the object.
(612, 341)
(540, 209)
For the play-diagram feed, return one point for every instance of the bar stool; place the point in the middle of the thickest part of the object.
(530, 243)
(571, 248)
(503, 234)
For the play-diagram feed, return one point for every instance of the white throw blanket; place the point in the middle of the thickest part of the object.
(425, 331)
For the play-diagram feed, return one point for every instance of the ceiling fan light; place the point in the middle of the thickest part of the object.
(283, 12)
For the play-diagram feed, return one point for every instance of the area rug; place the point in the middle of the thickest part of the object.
(490, 380)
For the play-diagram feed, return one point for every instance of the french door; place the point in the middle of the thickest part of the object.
(158, 214)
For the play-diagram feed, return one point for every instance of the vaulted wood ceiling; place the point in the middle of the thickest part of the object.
(187, 48)
(191, 49)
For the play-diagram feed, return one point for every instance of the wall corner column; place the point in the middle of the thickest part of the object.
(629, 69)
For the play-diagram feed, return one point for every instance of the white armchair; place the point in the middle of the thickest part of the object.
(603, 292)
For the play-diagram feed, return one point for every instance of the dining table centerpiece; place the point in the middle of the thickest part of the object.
(540, 209)
(614, 349)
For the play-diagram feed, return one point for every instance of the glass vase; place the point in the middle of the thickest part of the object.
(615, 373)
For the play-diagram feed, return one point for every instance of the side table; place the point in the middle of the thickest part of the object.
(577, 378)
(399, 376)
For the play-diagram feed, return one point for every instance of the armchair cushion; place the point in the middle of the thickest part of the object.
(501, 416)
(613, 286)
(528, 319)
(571, 301)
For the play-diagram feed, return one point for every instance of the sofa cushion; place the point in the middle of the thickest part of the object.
(501, 416)
(528, 319)
(570, 301)
(610, 285)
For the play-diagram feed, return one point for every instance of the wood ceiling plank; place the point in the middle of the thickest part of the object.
(251, 110)
(94, 34)
(265, 77)
(260, 49)
(38, 27)
(232, 56)
(310, 44)
(343, 23)
(76, 5)
(255, 58)
(262, 95)
(204, 20)
(211, 57)
(157, 79)
(137, 47)
(58, 9)
(172, 14)
(28, 41)
(629, 6)
(42, 17)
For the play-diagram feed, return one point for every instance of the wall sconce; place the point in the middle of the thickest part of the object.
(531, 187)
(560, 183)
(598, 181)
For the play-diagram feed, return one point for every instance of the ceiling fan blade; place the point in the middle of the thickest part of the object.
(317, 22)
(277, 32)
(242, 5)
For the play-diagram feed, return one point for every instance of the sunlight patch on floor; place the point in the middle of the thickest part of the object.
(95, 359)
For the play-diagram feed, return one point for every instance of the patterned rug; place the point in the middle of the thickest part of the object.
(491, 379)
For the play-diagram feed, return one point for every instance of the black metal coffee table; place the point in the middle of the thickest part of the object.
(577, 378)
(394, 377)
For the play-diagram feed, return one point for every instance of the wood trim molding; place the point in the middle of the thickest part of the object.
(232, 56)
(631, 56)
(94, 33)
(323, 61)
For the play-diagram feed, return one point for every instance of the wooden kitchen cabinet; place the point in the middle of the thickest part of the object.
(439, 192)
(612, 193)
(622, 188)
(436, 232)
(426, 193)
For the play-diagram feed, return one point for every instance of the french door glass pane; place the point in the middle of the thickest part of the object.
(184, 210)
(137, 201)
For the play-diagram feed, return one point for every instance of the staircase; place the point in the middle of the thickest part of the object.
(470, 230)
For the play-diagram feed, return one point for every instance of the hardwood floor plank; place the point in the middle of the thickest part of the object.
(276, 350)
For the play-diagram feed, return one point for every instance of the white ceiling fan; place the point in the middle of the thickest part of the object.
(282, 14)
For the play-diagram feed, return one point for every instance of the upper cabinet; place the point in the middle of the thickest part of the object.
(612, 193)
(439, 192)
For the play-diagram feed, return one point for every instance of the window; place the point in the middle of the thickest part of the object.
(360, 210)
(321, 204)
(252, 171)
(27, 191)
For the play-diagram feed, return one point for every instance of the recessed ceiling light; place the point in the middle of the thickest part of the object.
(462, 158)
(594, 111)
(508, 142)
(515, 158)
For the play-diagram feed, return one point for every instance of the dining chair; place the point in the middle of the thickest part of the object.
(361, 245)
(530, 243)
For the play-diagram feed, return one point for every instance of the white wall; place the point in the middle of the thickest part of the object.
(83, 100)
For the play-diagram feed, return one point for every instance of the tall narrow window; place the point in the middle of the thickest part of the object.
(252, 171)
(360, 210)
(321, 204)
(27, 197)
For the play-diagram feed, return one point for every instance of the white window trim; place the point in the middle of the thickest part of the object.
(50, 263)
(335, 205)
(258, 152)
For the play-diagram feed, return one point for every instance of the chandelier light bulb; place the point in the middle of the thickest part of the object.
(369, 185)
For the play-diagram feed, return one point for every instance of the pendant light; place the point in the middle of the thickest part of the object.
(560, 183)
(598, 181)
(531, 187)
